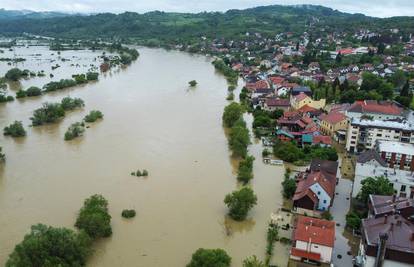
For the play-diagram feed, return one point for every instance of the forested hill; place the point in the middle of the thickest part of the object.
(267, 20)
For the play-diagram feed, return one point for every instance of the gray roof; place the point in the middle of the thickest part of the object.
(371, 154)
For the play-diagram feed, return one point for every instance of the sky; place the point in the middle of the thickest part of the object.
(376, 8)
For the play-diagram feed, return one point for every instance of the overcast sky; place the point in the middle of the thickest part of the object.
(377, 8)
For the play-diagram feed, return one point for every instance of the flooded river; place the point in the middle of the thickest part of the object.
(153, 121)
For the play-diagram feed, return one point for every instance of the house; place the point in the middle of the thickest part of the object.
(302, 89)
(313, 240)
(396, 154)
(377, 110)
(310, 111)
(379, 206)
(370, 164)
(363, 133)
(387, 241)
(332, 122)
(272, 104)
(299, 100)
(322, 140)
(316, 187)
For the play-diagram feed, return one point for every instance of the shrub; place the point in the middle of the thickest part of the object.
(289, 188)
(93, 116)
(49, 246)
(232, 113)
(209, 258)
(253, 261)
(33, 91)
(21, 93)
(230, 96)
(239, 139)
(192, 83)
(265, 152)
(79, 78)
(353, 220)
(48, 113)
(245, 172)
(240, 202)
(2, 155)
(75, 130)
(15, 74)
(327, 215)
(94, 218)
(5, 98)
(92, 76)
(128, 213)
(69, 103)
(144, 173)
(15, 129)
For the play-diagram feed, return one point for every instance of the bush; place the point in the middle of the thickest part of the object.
(21, 93)
(240, 202)
(49, 246)
(33, 91)
(79, 78)
(209, 258)
(353, 220)
(75, 130)
(93, 116)
(289, 188)
(253, 261)
(230, 96)
(48, 113)
(5, 98)
(128, 214)
(15, 74)
(144, 173)
(69, 103)
(239, 139)
(15, 129)
(92, 76)
(232, 113)
(327, 216)
(54, 86)
(192, 83)
(2, 155)
(94, 218)
(265, 152)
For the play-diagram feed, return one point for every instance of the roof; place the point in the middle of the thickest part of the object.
(377, 107)
(316, 177)
(275, 102)
(283, 132)
(388, 204)
(397, 228)
(395, 147)
(305, 254)
(307, 138)
(369, 155)
(326, 166)
(277, 80)
(333, 117)
(307, 108)
(301, 96)
(322, 139)
(301, 89)
(384, 124)
(314, 230)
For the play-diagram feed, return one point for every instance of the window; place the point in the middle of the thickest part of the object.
(379, 135)
(319, 192)
(403, 187)
(324, 201)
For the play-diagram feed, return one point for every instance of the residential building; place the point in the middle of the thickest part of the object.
(370, 164)
(272, 104)
(332, 122)
(313, 240)
(379, 206)
(302, 99)
(363, 133)
(376, 110)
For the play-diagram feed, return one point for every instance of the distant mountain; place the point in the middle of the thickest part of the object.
(28, 14)
(167, 26)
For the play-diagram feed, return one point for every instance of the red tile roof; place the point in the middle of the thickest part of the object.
(304, 254)
(306, 109)
(312, 178)
(301, 96)
(316, 231)
(332, 117)
(322, 139)
(274, 102)
(372, 106)
(277, 80)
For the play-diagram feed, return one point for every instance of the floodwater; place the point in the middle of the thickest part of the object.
(153, 121)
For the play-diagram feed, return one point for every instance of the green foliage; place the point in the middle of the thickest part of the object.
(48, 113)
(227, 71)
(239, 139)
(16, 74)
(289, 188)
(49, 246)
(5, 98)
(240, 202)
(92, 76)
(245, 172)
(15, 129)
(375, 84)
(192, 83)
(210, 258)
(232, 113)
(375, 186)
(21, 93)
(265, 152)
(62, 84)
(2, 155)
(69, 103)
(94, 218)
(353, 220)
(128, 214)
(79, 78)
(230, 96)
(272, 237)
(93, 116)
(262, 119)
(31, 91)
(243, 94)
(75, 130)
(290, 152)
(253, 261)
(327, 215)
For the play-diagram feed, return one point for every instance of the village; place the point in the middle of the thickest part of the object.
(365, 195)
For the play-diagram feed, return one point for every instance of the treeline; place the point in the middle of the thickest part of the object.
(52, 246)
(231, 75)
(52, 112)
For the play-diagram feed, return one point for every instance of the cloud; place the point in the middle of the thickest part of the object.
(377, 8)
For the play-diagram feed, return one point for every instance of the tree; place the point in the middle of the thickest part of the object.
(192, 83)
(69, 103)
(48, 113)
(15, 74)
(49, 246)
(381, 48)
(93, 116)
(75, 130)
(338, 58)
(240, 202)
(253, 261)
(15, 129)
(245, 172)
(128, 213)
(210, 258)
(232, 113)
(375, 186)
(405, 91)
(239, 139)
(289, 188)
(94, 218)
(353, 221)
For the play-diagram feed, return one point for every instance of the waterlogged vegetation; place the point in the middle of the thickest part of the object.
(48, 113)
(231, 75)
(93, 116)
(75, 130)
(128, 213)
(245, 171)
(272, 237)
(5, 98)
(31, 91)
(15, 129)
(240, 202)
(209, 258)
(140, 173)
(192, 83)
(69, 103)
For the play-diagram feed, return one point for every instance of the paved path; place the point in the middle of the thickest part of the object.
(339, 210)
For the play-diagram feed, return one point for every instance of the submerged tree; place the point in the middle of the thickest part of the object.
(209, 258)
(15, 129)
(240, 202)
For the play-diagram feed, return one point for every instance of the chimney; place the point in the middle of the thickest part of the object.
(385, 219)
(379, 260)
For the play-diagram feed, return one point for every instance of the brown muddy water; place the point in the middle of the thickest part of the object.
(152, 121)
